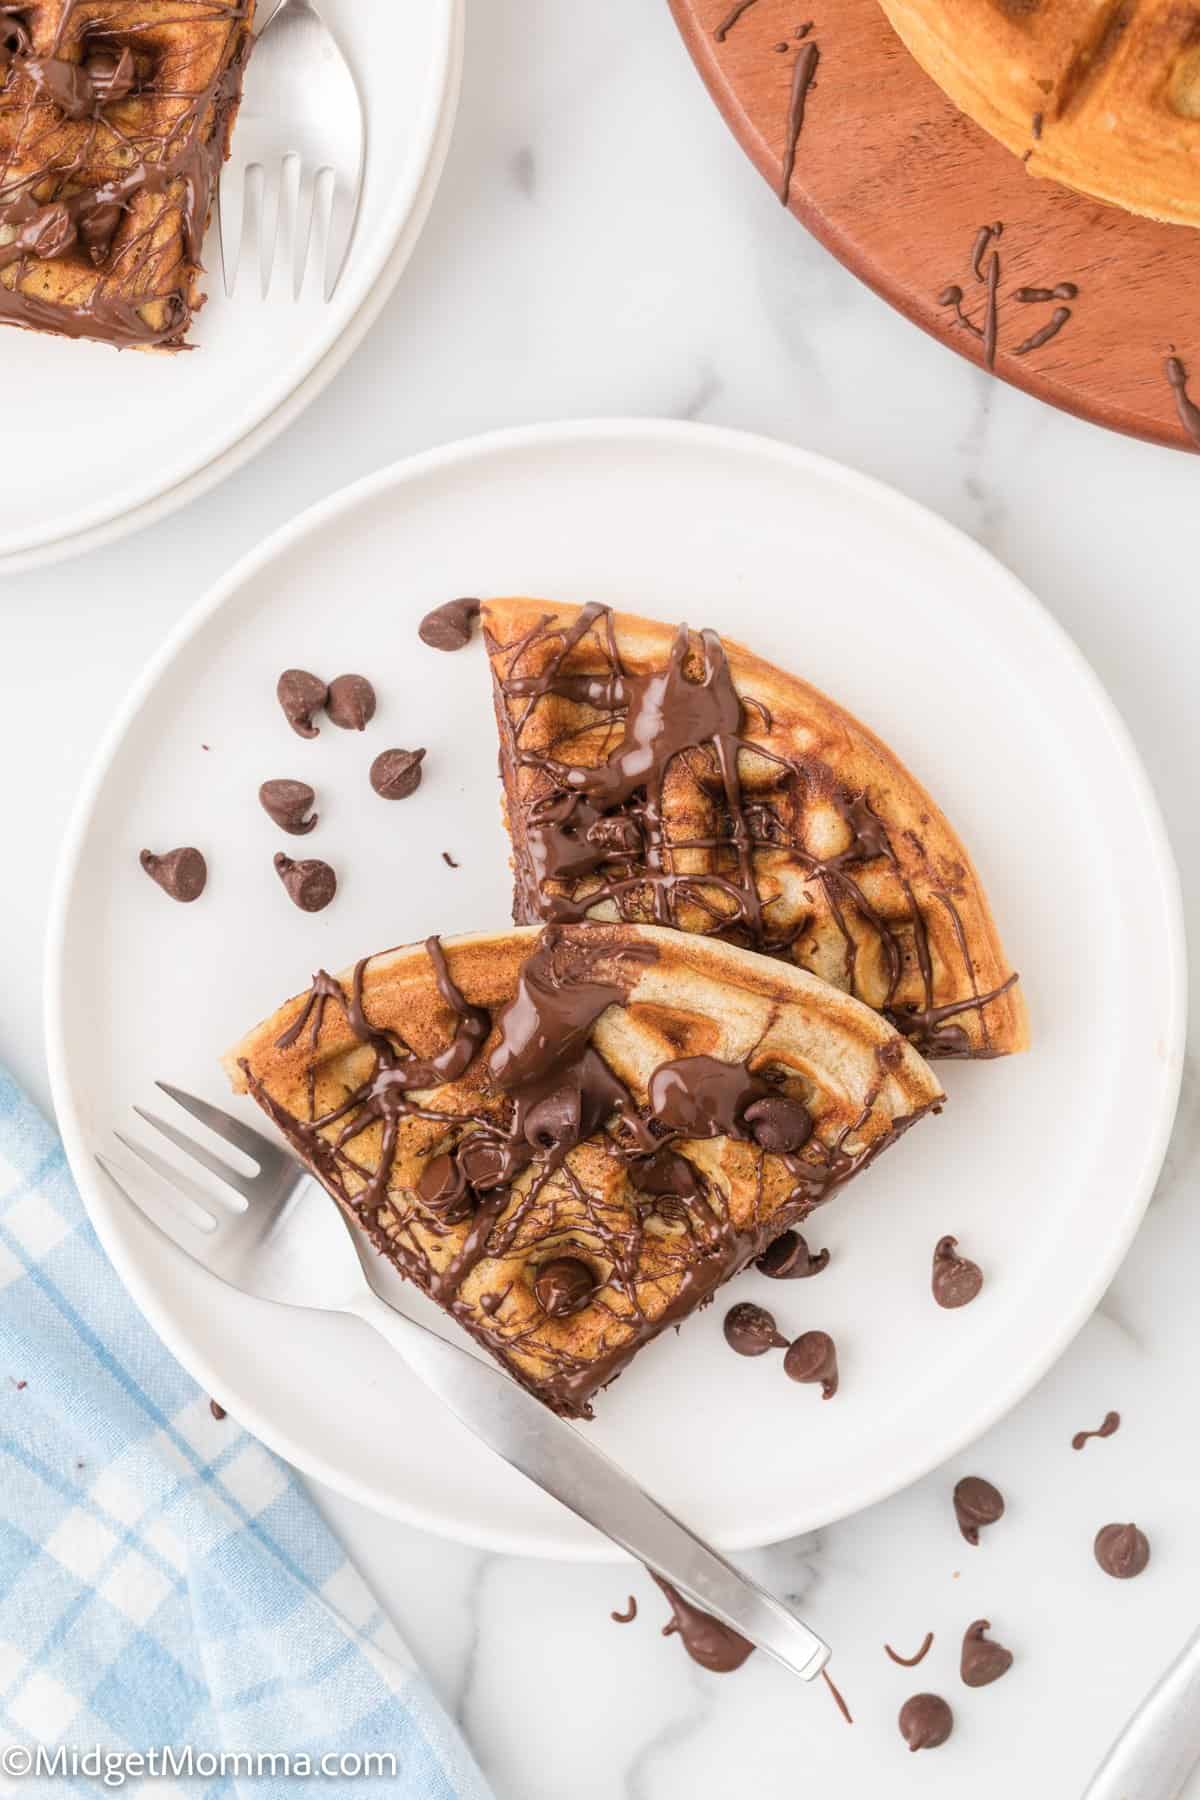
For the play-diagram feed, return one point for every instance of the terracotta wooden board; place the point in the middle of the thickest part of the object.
(897, 183)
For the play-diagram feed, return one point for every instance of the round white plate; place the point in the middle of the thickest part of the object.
(1041, 1165)
(146, 432)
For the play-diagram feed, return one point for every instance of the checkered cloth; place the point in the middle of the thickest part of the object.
(163, 1579)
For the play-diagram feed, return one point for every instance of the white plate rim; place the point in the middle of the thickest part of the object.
(75, 540)
(564, 435)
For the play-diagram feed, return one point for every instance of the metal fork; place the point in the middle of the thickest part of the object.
(290, 1243)
(301, 119)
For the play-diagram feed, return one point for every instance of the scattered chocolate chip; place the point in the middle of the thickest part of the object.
(563, 1286)
(789, 1259)
(750, 1330)
(310, 884)
(449, 627)
(301, 695)
(1111, 1423)
(449, 860)
(664, 1174)
(181, 873)
(925, 1721)
(955, 1280)
(351, 702)
(778, 1125)
(485, 1163)
(976, 1503)
(982, 1660)
(442, 1188)
(217, 1410)
(1122, 1551)
(813, 1357)
(395, 774)
(628, 1616)
(286, 802)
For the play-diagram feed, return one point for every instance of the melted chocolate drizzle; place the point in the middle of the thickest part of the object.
(707, 1641)
(1185, 406)
(985, 268)
(803, 72)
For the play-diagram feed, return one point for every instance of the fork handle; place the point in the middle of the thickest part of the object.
(559, 1460)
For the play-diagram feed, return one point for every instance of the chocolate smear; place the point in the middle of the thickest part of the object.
(1185, 406)
(1050, 329)
(751, 1331)
(217, 1410)
(628, 1616)
(910, 1662)
(925, 1721)
(789, 1259)
(1122, 1551)
(311, 884)
(813, 1357)
(395, 774)
(731, 18)
(351, 702)
(449, 627)
(449, 860)
(564, 1286)
(955, 1280)
(803, 71)
(181, 873)
(713, 1645)
(287, 802)
(983, 1661)
(1112, 1422)
(301, 695)
(838, 1697)
(1030, 296)
(976, 1504)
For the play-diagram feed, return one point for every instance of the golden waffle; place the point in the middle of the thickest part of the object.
(115, 116)
(1102, 95)
(658, 775)
(571, 1138)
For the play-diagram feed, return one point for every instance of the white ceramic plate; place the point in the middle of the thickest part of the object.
(1041, 1165)
(149, 431)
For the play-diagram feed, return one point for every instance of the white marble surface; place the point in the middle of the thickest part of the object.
(599, 245)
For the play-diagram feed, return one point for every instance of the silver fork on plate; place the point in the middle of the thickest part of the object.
(290, 1243)
(300, 128)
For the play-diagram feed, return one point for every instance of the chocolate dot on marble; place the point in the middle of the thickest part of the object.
(813, 1357)
(442, 1189)
(301, 695)
(976, 1503)
(310, 884)
(925, 1721)
(982, 1661)
(563, 1286)
(181, 873)
(351, 702)
(395, 774)
(955, 1281)
(778, 1125)
(1122, 1551)
(751, 1331)
(789, 1259)
(449, 627)
(287, 802)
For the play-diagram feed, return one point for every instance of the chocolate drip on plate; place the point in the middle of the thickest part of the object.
(707, 1641)
(803, 72)
(629, 1615)
(1185, 406)
(910, 1662)
(1111, 1423)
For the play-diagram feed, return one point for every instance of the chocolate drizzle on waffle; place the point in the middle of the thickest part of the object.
(600, 836)
(499, 1179)
(114, 120)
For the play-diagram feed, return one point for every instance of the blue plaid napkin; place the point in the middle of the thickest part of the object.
(164, 1581)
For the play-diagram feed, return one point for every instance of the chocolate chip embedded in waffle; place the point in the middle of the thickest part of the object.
(115, 116)
(571, 1138)
(1102, 95)
(659, 775)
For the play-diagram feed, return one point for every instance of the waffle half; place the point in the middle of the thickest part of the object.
(1102, 95)
(115, 116)
(570, 1138)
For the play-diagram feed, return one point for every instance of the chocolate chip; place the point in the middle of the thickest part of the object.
(489, 1162)
(395, 774)
(301, 695)
(666, 1173)
(555, 1121)
(813, 1357)
(789, 1259)
(442, 1189)
(982, 1660)
(217, 1410)
(563, 1286)
(925, 1721)
(181, 873)
(286, 802)
(976, 1503)
(351, 702)
(955, 1281)
(449, 627)
(750, 1330)
(1122, 1551)
(310, 884)
(778, 1125)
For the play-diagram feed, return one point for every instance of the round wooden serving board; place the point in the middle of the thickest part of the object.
(898, 183)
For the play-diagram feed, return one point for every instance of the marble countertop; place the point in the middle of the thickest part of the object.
(600, 245)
